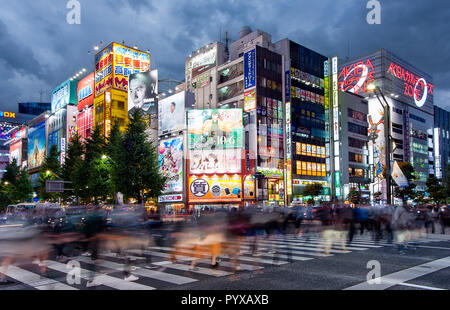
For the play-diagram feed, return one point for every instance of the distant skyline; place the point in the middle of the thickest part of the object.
(39, 49)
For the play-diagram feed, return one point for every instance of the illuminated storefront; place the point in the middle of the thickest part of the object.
(85, 118)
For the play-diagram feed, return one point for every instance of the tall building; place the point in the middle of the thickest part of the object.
(441, 141)
(307, 125)
(409, 93)
(62, 122)
(34, 108)
(201, 73)
(353, 146)
(113, 65)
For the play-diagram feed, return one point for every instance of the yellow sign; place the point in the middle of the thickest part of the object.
(210, 188)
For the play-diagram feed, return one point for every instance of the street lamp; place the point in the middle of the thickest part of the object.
(387, 135)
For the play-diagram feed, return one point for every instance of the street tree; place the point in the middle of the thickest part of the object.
(137, 167)
(50, 170)
(313, 190)
(74, 158)
(354, 196)
(16, 186)
(85, 171)
(115, 151)
(436, 190)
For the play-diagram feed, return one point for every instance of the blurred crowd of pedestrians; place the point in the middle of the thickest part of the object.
(210, 235)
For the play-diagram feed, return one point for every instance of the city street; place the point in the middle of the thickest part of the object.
(299, 264)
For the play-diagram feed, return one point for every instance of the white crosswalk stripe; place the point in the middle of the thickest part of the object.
(277, 250)
(103, 279)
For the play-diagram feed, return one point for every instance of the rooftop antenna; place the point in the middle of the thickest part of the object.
(226, 43)
(348, 51)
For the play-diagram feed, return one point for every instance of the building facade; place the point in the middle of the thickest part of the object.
(408, 92)
(441, 141)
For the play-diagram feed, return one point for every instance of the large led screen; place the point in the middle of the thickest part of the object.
(36, 145)
(215, 161)
(171, 164)
(215, 129)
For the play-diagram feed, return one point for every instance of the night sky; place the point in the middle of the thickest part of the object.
(39, 49)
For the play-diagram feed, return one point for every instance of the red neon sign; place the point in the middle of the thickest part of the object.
(355, 77)
(415, 87)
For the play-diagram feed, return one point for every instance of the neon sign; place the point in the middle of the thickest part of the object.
(7, 114)
(415, 87)
(355, 77)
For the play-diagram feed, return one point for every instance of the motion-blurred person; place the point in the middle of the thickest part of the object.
(95, 223)
(401, 223)
(238, 224)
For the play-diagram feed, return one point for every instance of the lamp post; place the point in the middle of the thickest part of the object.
(387, 136)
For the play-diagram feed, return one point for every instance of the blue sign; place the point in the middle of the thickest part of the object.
(250, 69)
(64, 94)
(288, 86)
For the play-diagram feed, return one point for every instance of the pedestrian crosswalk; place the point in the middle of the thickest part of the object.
(155, 269)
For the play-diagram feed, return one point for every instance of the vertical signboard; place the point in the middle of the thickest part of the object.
(36, 145)
(250, 69)
(63, 151)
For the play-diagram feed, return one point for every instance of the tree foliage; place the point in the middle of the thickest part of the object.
(313, 190)
(15, 185)
(50, 170)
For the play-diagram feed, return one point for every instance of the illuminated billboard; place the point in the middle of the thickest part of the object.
(171, 164)
(126, 62)
(172, 117)
(355, 77)
(15, 151)
(63, 95)
(220, 188)
(86, 92)
(215, 129)
(201, 62)
(143, 92)
(215, 161)
(36, 145)
(103, 70)
(115, 64)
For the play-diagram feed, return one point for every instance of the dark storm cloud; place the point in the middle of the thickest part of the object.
(39, 49)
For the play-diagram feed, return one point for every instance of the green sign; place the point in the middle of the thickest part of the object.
(215, 129)
(337, 178)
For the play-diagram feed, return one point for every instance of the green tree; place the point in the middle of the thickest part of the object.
(446, 182)
(115, 151)
(408, 192)
(137, 168)
(15, 185)
(50, 170)
(86, 171)
(313, 190)
(436, 190)
(73, 159)
(355, 196)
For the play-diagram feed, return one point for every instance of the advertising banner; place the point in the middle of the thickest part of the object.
(399, 177)
(36, 145)
(5, 133)
(215, 161)
(15, 151)
(86, 92)
(215, 129)
(250, 100)
(171, 163)
(249, 188)
(126, 62)
(103, 70)
(54, 139)
(250, 69)
(172, 113)
(143, 92)
(221, 188)
(201, 63)
(63, 95)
